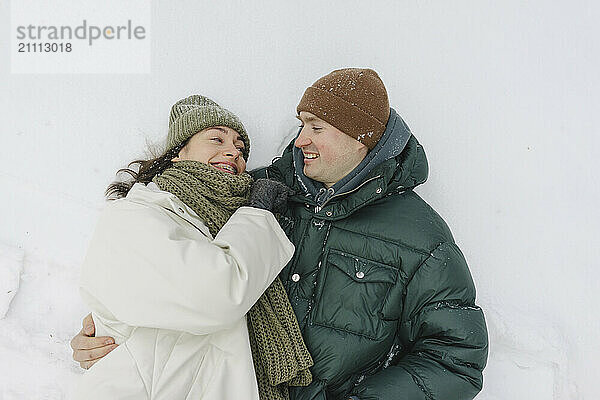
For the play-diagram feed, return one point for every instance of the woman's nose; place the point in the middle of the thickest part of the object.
(232, 151)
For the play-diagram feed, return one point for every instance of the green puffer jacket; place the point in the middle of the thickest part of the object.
(382, 293)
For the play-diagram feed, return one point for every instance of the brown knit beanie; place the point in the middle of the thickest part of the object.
(353, 100)
(195, 113)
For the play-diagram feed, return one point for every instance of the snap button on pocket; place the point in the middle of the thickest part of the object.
(295, 277)
(353, 294)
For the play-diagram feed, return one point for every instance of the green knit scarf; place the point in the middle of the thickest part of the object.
(280, 356)
(214, 195)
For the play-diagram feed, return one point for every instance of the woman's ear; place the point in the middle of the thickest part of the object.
(177, 157)
(181, 153)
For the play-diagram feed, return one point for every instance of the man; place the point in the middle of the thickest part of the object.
(383, 295)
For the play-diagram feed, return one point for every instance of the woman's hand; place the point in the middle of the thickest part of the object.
(269, 195)
(87, 349)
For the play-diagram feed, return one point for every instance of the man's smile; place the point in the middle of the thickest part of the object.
(308, 157)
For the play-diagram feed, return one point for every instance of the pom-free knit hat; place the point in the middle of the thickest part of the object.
(353, 100)
(195, 113)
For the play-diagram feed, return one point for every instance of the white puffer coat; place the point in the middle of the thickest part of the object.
(175, 298)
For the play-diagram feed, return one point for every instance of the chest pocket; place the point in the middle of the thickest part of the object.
(353, 294)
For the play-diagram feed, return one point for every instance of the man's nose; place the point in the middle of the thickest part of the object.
(302, 140)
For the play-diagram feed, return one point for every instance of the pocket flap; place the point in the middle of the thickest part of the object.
(361, 269)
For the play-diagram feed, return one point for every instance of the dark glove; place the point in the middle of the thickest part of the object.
(269, 195)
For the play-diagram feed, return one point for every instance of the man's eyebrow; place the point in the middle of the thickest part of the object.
(310, 118)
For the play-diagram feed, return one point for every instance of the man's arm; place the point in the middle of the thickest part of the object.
(87, 349)
(444, 331)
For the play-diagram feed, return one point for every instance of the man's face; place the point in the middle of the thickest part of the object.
(329, 154)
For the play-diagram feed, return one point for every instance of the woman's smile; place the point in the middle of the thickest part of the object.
(225, 166)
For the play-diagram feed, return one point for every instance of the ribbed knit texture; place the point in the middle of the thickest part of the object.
(280, 356)
(195, 113)
(278, 351)
(353, 100)
(214, 195)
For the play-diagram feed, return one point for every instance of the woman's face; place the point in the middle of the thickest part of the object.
(219, 146)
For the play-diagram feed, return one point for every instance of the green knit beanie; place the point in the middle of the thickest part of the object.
(195, 113)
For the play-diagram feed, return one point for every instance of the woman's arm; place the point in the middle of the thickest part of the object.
(144, 269)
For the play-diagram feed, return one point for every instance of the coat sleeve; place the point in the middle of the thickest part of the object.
(443, 334)
(143, 269)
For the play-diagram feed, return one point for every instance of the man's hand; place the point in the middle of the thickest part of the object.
(87, 349)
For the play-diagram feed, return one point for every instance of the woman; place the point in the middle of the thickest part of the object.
(177, 261)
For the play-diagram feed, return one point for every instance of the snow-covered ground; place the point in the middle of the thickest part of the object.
(502, 95)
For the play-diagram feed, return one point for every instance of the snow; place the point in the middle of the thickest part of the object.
(35, 334)
(11, 266)
(502, 96)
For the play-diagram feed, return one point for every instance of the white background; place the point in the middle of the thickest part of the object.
(502, 95)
